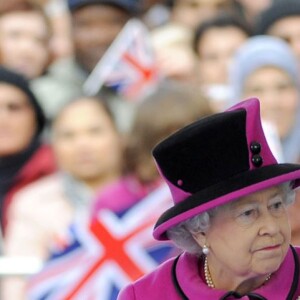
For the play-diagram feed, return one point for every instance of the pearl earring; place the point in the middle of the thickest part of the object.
(205, 250)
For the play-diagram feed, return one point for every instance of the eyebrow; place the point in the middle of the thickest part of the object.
(254, 199)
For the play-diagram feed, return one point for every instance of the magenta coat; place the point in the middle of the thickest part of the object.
(179, 278)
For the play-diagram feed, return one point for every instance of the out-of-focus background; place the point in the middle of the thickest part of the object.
(87, 89)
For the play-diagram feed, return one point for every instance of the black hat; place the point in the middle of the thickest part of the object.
(131, 6)
(216, 160)
(22, 83)
(277, 11)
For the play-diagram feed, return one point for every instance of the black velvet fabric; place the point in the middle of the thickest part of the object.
(207, 155)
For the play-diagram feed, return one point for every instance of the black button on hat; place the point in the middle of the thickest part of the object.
(257, 160)
(255, 147)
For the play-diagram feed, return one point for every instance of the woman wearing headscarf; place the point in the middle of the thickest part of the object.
(265, 67)
(229, 215)
(24, 157)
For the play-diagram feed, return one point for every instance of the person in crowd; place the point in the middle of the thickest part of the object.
(59, 16)
(215, 42)
(88, 151)
(25, 35)
(259, 70)
(25, 157)
(170, 107)
(229, 214)
(191, 12)
(173, 52)
(124, 212)
(281, 19)
(95, 25)
(249, 10)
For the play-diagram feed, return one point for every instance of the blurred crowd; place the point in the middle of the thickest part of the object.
(68, 157)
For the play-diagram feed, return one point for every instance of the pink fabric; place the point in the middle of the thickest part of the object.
(254, 131)
(122, 194)
(42, 163)
(39, 215)
(159, 285)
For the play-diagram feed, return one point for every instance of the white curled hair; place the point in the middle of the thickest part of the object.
(182, 234)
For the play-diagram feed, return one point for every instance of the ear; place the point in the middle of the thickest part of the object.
(200, 238)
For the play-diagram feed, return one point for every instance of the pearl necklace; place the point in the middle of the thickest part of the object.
(209, 280)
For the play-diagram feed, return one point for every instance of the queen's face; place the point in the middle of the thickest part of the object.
(249, 237)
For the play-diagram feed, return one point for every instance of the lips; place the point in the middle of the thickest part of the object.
(271, 247)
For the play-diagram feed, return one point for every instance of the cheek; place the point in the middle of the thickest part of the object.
(233, 253)
(107, 147)
(82, 39)
(64, 153)
(22, 132)
(232, 243)
(27, 125)
(291, 102)
(41, 53)
(209, 72)
(8, 47)
(286, 229)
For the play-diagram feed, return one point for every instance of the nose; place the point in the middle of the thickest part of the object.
(269, 224)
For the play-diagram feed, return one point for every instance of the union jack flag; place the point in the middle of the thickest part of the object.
(129, 65)
(105, 255)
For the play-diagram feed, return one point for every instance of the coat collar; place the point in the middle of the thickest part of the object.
(193, 287)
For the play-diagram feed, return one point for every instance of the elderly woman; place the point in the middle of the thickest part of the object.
(229, 215)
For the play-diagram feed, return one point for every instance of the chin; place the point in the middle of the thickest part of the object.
(271, 265)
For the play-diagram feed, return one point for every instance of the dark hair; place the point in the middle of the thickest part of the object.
(97, 99)
(19, 81)
(132, 7)
(172, 106)
(277, 11)
(220, 21)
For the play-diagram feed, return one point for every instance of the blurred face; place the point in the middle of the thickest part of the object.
(216, 49)
(288, 29)
(147, 4)
(249, 238)
(94, 29)
(86, 143)
(278, 97)
(254, 7)
(24, 38)
(191, 12)
(17, 120)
